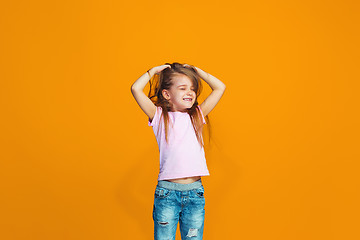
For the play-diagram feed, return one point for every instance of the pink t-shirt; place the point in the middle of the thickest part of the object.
(183, 156)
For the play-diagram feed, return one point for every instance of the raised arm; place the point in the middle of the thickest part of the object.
(218, 89)
(137, 91)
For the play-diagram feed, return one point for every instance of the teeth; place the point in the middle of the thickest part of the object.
(187, 99)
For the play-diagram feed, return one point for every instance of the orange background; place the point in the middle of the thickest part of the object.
(78, 160)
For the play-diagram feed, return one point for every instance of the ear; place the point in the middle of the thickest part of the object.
(165, 94)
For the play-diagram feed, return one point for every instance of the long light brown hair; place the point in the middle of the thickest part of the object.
(164, 80)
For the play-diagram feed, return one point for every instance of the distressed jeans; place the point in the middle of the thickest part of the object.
(183, 203)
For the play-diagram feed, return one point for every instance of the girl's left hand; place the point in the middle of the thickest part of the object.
(191, 66)
(201, 72)
(187, 65)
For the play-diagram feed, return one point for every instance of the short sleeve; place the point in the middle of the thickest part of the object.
(202, 115)
(155, 120)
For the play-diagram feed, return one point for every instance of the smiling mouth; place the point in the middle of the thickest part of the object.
(187, 99)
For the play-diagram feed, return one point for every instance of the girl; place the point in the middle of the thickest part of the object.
(177, 121)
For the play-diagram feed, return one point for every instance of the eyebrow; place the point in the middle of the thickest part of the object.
(183, 85)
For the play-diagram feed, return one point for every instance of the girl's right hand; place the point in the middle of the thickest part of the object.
(156, 70)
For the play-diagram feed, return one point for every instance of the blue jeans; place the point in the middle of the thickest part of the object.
(177, 202)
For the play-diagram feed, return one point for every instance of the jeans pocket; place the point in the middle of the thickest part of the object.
(199, 192)
(161, 192)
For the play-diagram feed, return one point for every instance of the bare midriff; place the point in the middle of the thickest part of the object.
(186, 180)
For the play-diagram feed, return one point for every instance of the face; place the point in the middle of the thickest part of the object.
(181, 94)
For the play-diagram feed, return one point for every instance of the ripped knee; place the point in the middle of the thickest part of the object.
(192, 232)
(163, 223)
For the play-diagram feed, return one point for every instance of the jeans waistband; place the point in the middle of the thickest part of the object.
(179, 186)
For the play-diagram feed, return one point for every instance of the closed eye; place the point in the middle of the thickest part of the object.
(185, 89)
